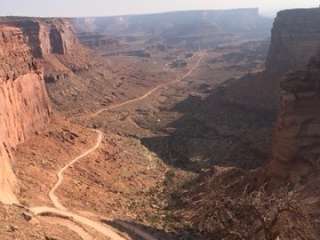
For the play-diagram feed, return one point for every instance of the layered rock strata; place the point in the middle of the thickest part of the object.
(23, 101)
(296, 145)
(54, 36)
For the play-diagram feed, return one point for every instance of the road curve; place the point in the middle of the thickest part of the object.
(65, 214)
(54, 199)
(74, 227)
(60, 211)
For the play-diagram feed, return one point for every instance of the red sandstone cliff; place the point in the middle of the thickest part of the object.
(24, 104)
(53, 36)
(23, 101)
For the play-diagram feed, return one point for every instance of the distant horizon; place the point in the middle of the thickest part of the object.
(134, 14)
(106, 8)
(270, 14)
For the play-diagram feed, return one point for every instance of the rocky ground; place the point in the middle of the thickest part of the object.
(17, 225)
(160, 143)
(189, 123)
(150, 147)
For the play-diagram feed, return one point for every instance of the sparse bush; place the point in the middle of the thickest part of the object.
(236, 212)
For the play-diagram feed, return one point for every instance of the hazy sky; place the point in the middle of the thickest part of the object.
(117, 7)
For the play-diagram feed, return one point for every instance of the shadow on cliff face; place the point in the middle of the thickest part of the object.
(214, 131)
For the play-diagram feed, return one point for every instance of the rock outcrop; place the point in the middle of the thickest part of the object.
(278, 201)
(62, 38)
(295, 39)
(26, 47)
(24, 103)
(296, 146)
(46, 36)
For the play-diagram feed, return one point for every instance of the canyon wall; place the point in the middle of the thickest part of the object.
(24, 103)
(292, 69)
(52, 36)
(62, 38)
(295, 39)
(296, 145)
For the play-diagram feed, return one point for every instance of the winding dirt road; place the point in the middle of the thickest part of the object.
(74, 227)
(150, 92)
(103, 229)
(54, 199)
(60, 211)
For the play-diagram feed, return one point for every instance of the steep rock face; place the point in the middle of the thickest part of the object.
(62, 38)
(296, 148)
(23, 101)
(56, 41)
(295, 39)
(54, 36)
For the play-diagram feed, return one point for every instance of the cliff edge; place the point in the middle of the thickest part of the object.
(295, 39)
(24, 102)
(296, 149)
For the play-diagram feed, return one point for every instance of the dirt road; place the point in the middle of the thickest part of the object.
(54, 199)
(150, 92)
(73, 217)
(60, 211)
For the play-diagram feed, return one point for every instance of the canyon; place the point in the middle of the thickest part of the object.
(189, 30)
(182, 125)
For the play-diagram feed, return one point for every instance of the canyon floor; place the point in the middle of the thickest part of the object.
(108, 173)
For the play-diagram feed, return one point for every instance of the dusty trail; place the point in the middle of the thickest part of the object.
(73, 217)
(54, 199)
(150, 92)
(59, 211)
(70, 225)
